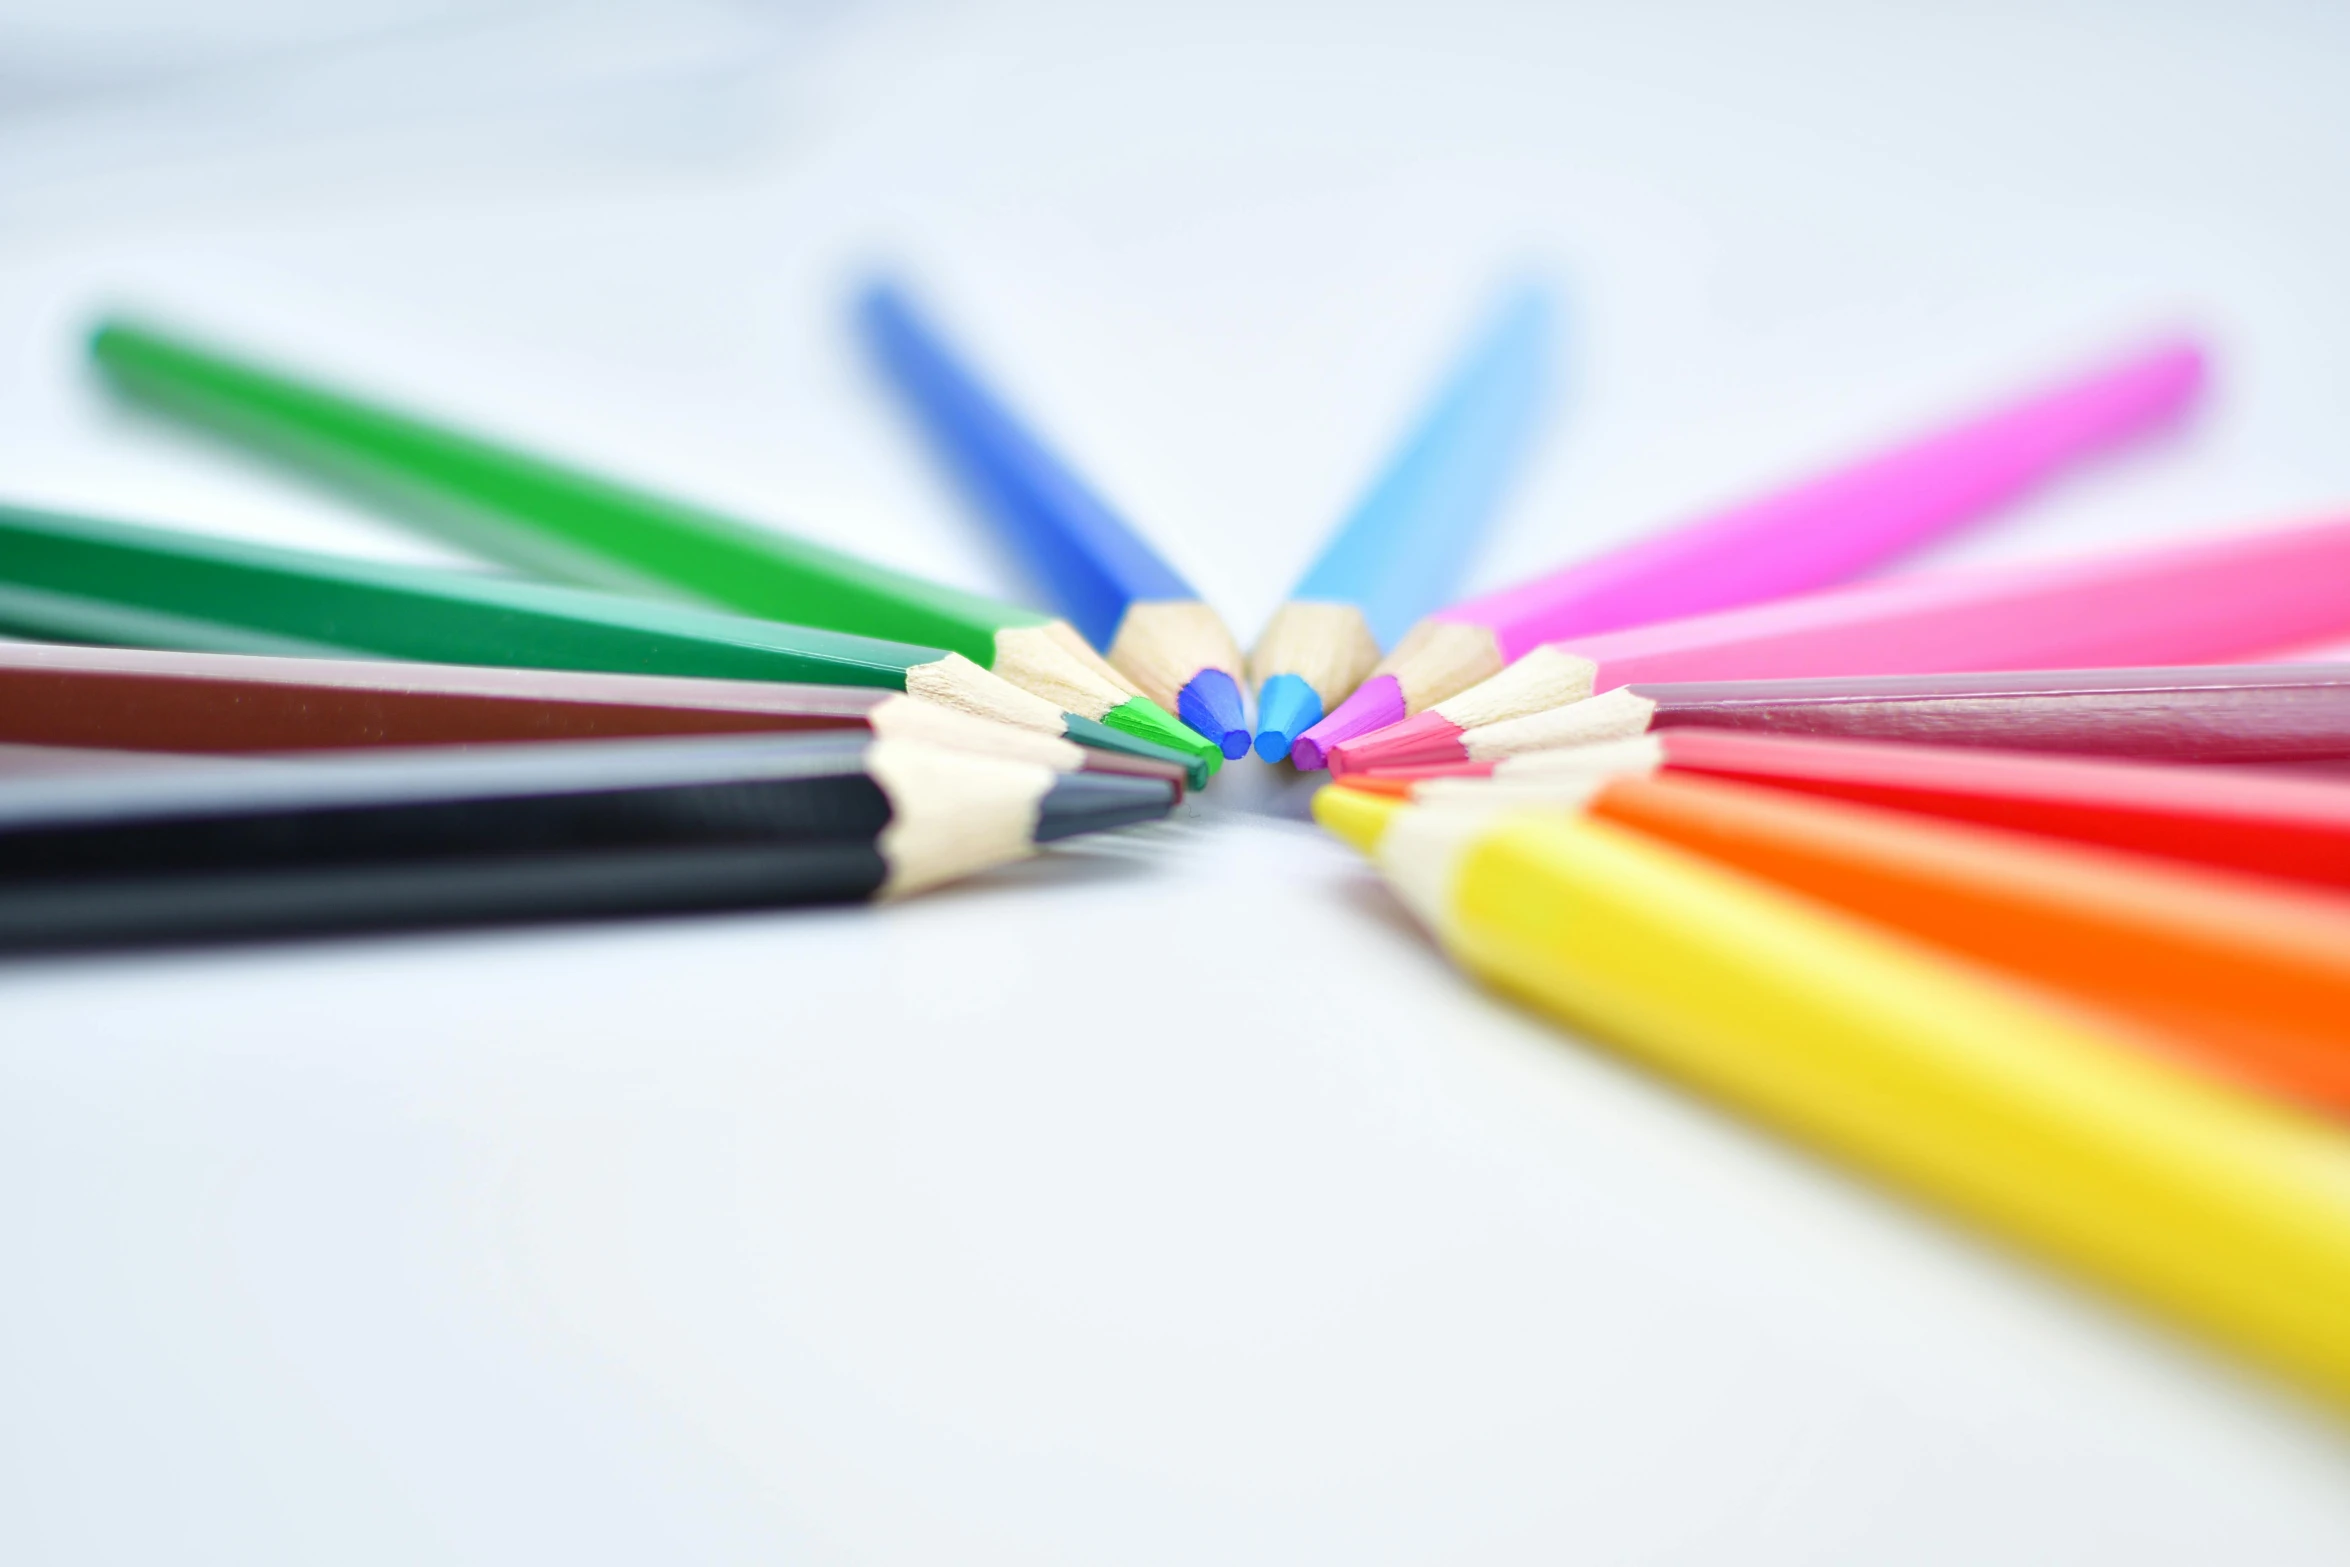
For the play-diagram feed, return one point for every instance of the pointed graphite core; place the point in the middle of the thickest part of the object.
(1145, 720)
(1422, 740)
(1095, 802)
(1376, 703)
(1211, 703)
(1286, 708)
(1360, 819)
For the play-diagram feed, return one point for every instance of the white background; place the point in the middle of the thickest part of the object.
(940, 1232)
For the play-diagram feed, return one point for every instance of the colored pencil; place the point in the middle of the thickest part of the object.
(137, 700)
(1112, 585)
(1821, 532)
(2243, 978)
(2206, 601)
(2236, 818)
(562, 830)
(2193, 713)
(82, 580)
(1401, 550)
(2032, 1120)
(561, 522)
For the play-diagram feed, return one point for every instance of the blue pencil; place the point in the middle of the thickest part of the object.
(1112, 586)
(1400, 552)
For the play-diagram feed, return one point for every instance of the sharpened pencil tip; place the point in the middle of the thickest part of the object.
(1094, 802)
(1211, 703)
(1145, 719)
(1376, 703)
(1422, 740)
(1286, 708)
(1357, 817)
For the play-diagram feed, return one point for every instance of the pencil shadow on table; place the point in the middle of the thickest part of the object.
(1250, 787)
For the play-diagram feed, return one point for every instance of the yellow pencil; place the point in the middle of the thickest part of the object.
(2219, 1211)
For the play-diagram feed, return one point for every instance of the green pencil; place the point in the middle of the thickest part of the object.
(76, 579)
(559, 522)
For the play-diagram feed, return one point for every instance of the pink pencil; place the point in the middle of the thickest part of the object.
(1821, 532)
(2205, 602)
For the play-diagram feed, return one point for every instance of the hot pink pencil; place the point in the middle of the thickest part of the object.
(1819, 533)
(2205, 602)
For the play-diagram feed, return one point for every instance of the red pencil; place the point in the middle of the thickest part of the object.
(2294, 828)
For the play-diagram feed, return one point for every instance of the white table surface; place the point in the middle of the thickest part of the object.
(833, 1236)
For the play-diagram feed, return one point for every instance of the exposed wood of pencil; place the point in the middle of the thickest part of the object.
(1165, 645)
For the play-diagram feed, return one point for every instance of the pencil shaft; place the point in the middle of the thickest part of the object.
(2247, 980)
(213, 702)
(539, 514)
(1085, 554)
(2207, 1206)
(78, 579)
(1829, 529)
(2211, 599)
(407, 838)
(140, 699)
(1401, 549)
(452, 835)
(2207, 713)
(2291, 828)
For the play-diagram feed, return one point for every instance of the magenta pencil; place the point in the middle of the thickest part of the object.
(2204, 602)
(1820, 532)
(2198, 713)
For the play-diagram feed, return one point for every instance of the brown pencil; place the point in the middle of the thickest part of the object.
(122, 699)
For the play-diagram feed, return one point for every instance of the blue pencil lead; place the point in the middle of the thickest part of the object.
(1286, 707)
(1211, 703)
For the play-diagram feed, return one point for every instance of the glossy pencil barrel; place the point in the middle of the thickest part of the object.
(135, 699)
(433, 837)
(2194, 713)
(1828, 529)
(539, 514)
(80, 579)
(2231, 818)
(2034, 1124)
(2245, 979)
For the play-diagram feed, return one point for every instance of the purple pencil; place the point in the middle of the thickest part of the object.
(1819, 533)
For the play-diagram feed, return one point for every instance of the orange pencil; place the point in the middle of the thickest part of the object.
(2242, 976)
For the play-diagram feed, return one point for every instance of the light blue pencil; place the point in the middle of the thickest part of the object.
(1400, 552)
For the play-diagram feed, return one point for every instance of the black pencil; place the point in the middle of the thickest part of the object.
(438, 836)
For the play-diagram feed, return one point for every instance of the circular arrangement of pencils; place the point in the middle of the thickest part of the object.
(2025, 890)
